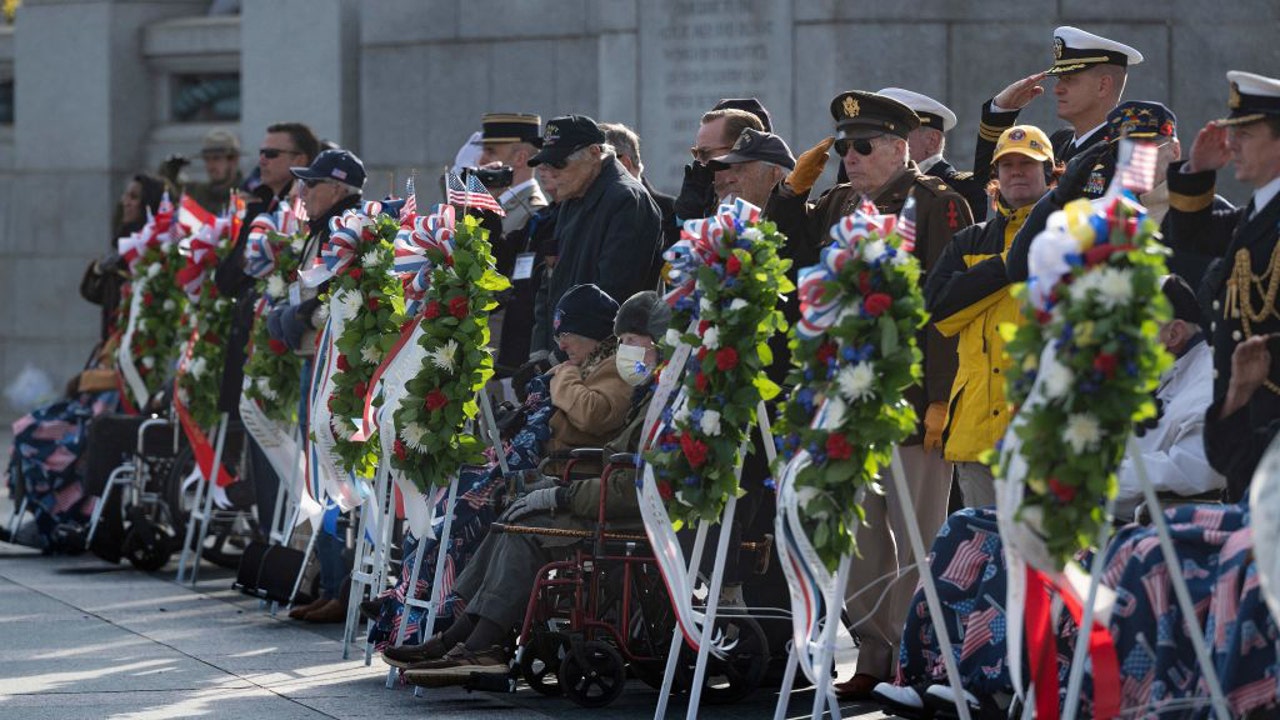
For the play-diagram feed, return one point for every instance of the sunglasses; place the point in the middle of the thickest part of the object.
(273, 153)
(863, 146)
(704, 155)
(311, 184)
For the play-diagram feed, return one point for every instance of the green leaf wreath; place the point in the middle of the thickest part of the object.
(1103, 316)
(159, 334)
(274, 372)
(210, 317)
(460, 285)
(854, 354)
(728, 277)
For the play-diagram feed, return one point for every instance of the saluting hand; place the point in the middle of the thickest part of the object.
(1019, 94)
(1250, 365)
(1210, 150)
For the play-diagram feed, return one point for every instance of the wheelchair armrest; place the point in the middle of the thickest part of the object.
(623, 458)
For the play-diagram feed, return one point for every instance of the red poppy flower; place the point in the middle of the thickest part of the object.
(838, 447)
(277, 347)
(876, 304)
(726, 359)
(458, 307)
(436, 400)
(694, 450)
(433, 310)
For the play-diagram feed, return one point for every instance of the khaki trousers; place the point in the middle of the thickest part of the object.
(885, 549)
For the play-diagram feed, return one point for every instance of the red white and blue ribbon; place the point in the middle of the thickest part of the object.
(324, 477)
(425, 243)
(346, 232)
(821, 298)
(203, 256)
(702, 243)
(260, 251)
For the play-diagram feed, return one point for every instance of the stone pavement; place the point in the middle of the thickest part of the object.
(82, 639)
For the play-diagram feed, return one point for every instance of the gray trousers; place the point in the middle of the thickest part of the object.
(977, 484)
(881, 611)
(498, 578)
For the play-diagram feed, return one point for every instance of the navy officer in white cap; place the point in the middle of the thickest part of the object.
(1240, 288)
(928, 143)
(1090, 73)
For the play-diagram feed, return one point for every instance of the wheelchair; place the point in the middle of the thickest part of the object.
(603, 614)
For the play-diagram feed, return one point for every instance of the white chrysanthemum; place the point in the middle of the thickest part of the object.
(836, 410)
(857, 382)
(705, 305)
(443, 356)
(710, 424)
(412, 435)
(339, 429)
(275, 287)
(371, 258)
(371, 353)
(752, 235)
(873, 250)
(1058, 378)
(148, 362)
(738, 304)
(220, 304)
(170, 305)
(351, 301)
(264, 388)
(681, 417)
(673, 337)
(711, 338)
(153, 269)
(1082, 286)
(198, 367)
(1083, 432)
(900, 258)
(1115, 288)
(297, 245)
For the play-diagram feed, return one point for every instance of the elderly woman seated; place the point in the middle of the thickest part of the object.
(581, 402)
(495, 586)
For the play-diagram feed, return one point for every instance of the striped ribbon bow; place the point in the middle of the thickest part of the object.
(425, 244)
(702, 242)
(821, 297)
(260, 251)
(204, 255)
(346, 232)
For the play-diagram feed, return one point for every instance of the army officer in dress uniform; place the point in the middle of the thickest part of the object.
(871, 138)
(1242, 287)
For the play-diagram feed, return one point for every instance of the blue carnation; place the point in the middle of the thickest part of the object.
(770, 484)
(691, 480)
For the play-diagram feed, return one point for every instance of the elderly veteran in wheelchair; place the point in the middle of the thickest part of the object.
(495, 586)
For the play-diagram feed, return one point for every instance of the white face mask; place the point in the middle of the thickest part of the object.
(631, 365)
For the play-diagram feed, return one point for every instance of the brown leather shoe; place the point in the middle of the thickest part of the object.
(301, 611)
(858, 687)
(334, 611)
(408, 655)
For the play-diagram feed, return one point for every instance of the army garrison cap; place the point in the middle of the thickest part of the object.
(1075, 50)
(511, 128)
(860, 114)
(1253, 97)
(1141, 119)
(933, 114)
(755, 145)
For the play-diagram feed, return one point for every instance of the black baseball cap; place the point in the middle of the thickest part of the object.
(755, 145)
(340, 165)
(564, 136)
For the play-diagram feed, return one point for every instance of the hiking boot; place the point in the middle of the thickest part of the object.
(408, 655)
(334, 611)
(456, 666)
(301, 611)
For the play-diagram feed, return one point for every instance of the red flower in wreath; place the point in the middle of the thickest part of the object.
(664, 490)
(1105, 363)
(694, 450)
(277, 347)
(733, 265)
(372, 303)
(458, 307)
(147, 299)
(436, 400)
(726, 359)
(399, 450)
(876, 304)
(355, 273)
(1064, 493)
(826, 351)
(700, 382)
(212, 338)
(359, 390)
(838, 447)
(433, 310)
(343, 364)
(864, 282)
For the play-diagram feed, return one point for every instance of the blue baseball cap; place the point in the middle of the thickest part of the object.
(338, 165)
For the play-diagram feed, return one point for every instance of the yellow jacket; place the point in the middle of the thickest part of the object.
(967, 294)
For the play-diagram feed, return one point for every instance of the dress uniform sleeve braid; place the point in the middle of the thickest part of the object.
(1193, 225)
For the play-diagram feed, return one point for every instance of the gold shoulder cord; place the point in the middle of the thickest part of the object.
(1240, 289)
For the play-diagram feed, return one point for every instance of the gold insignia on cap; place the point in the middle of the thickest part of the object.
(1057, 48)
(1233, 97)
(850, 106)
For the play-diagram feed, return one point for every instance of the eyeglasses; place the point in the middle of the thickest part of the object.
(863, 146)
(705, 155)
(273, 153)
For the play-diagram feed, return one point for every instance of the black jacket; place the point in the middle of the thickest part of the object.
(609, 237)
(972, 188)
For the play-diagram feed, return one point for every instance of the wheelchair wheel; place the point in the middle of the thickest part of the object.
(224, 543)
(147, 546)
(540, 663)
(739, 672)
(593, 675)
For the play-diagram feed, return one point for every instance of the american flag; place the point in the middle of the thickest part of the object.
(473, 194)
(1138, 166)
(907, 224)
(410, 202)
